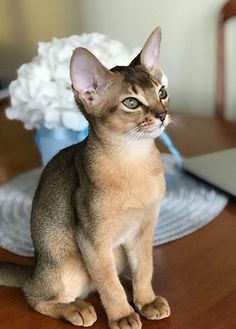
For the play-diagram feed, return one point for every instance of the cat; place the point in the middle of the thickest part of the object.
(96, 205)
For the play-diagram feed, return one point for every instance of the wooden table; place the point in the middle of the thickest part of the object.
(197, 274)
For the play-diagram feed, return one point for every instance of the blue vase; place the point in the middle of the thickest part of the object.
(51, 141)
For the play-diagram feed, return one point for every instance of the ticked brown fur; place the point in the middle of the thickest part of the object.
(97, 202)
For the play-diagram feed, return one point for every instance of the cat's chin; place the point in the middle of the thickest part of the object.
(154, 133)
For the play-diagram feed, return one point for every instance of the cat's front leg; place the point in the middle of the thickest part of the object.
(100, 262)
(139, 253)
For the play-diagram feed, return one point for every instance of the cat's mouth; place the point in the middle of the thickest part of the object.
(155, 129)
(148, 129)
(150, 132)
(153, 132)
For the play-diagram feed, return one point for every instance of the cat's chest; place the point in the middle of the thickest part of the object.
(130, 177)
(135, 187)
(144, 191)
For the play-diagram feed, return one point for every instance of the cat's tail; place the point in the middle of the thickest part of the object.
(14, 275)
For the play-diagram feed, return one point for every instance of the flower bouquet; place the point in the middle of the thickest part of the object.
(41, 96)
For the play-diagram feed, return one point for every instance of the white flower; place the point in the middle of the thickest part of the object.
(74, 120)
(41, 94)
(51, 118)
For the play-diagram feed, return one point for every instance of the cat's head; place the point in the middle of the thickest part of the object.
(127, 101)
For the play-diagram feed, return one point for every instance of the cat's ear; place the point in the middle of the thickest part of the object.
(88, 76)
(150, 54)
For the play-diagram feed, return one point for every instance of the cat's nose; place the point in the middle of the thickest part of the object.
(161, 116)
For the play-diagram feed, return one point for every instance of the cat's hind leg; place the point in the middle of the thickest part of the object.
(57, 290)
(79, 312)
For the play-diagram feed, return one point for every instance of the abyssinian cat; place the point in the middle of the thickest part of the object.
(97, 202)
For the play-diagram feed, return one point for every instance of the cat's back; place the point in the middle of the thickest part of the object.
(59, 180)
(52, 217)
(59, 168)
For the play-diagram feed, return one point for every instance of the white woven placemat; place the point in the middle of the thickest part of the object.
(188, 205)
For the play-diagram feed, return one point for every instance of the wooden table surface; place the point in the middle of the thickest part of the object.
(197, 274)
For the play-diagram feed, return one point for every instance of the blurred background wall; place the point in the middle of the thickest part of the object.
(188, 53)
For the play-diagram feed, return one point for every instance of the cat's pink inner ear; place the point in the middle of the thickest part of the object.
(88, 76)
(150, 54)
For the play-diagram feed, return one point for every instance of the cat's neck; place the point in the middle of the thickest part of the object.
(122, 147)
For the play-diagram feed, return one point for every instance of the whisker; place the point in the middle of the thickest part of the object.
(133, 134)
(137, 135)
(132, 131)
(141, 134)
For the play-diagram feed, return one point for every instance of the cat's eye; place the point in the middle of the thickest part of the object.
(131, 102)
(162, 93)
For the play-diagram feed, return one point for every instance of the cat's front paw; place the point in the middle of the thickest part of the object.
(156, 310)
(131, 321)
